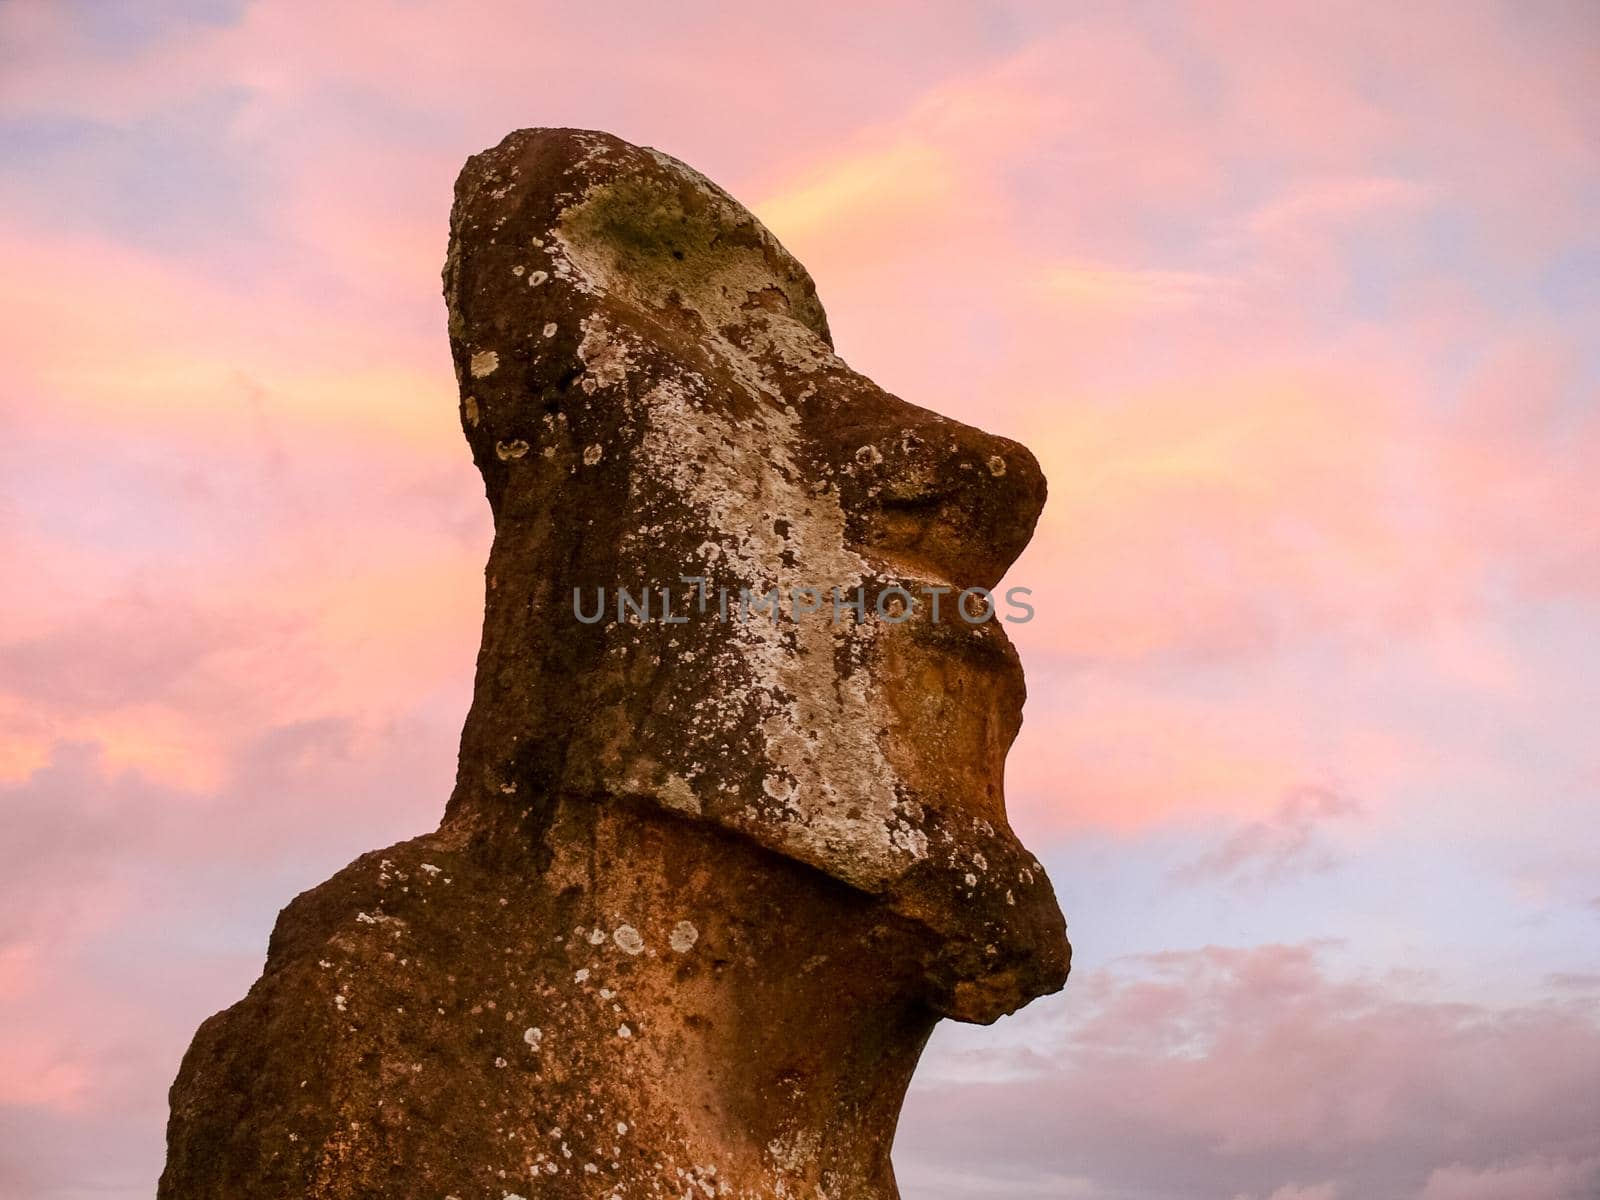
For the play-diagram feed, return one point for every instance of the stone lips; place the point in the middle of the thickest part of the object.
(649, 389)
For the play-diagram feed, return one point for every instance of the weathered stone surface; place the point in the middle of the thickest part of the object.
(703, 888)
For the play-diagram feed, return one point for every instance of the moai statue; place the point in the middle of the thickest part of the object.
(728, 836)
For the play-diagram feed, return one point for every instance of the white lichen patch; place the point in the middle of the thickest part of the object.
(677, 795)
(549, 329)
(533, 1035)
(604, 354)
(593, 454)
(623, 1031)
(683, 937)
(484, 362)
(828, 782)
(795, 1151)
(538, 277)
(997, 465)
(469, 408)
(628, 940)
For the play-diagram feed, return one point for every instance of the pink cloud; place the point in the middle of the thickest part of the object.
(1254, 1071)
(1538, 1179)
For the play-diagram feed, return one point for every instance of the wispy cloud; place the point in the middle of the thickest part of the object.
(1282, 844)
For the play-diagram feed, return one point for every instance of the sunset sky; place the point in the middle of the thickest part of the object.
(1298, 305)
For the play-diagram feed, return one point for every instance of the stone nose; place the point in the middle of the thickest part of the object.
(936, 497)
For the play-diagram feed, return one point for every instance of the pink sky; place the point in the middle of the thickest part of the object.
(1296, 303)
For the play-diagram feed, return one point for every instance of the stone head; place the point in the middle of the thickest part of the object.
(731, 576)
